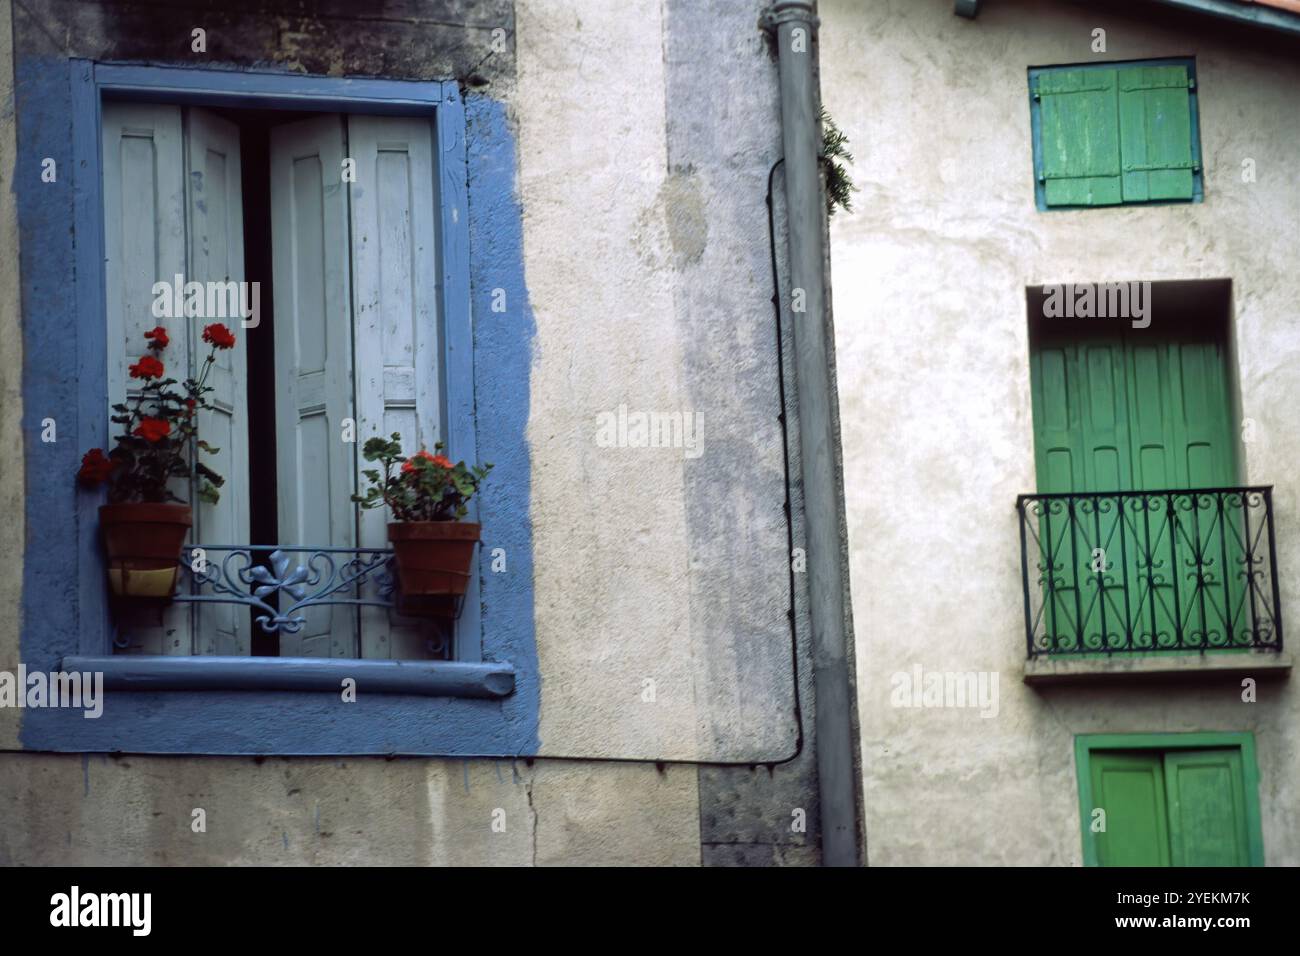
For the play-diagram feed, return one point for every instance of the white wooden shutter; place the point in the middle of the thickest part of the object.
(216, 246)
(394, 274)
(315, 467)
(144, 243)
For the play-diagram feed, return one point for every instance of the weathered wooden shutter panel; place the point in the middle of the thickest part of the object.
(1155, 444)
(216, 244)
(1057, 433)
(1059, 455)
(1144, 413)
(144, 243)
(1130, 788)
(1215, 602)
(1156, 133)
(1207, 808)
(313, 360)
(1079, 130)
(1081, 438)
(394, 272)
(1199, 387)
(1105, 405)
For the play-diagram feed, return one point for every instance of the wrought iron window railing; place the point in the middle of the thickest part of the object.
(280, 590)
(1145, 571)
(283, 586)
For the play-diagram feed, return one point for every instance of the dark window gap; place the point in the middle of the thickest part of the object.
(255, 168)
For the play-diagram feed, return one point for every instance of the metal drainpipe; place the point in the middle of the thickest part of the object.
(795, 26)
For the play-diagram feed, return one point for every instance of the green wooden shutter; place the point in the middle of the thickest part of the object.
(1058, 448)
(1105, 404)
(1130, 787)
(1182, 438)
(1136, 412)
(1166, 806)
(1131, 413)
(1155, 120)
(1207, 808)
(1157, 464)
(1199, 384)
(1080, 141)
(1207, 445)
(1057, 434)
(1082, 436)
(1082, 444)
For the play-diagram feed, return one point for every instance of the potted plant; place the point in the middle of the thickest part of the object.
(145, 523)
(427, 496)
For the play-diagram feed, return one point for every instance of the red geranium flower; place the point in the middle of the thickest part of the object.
(220, 336)
(440, 460)
(147, 367)
(95, 467)
(153, 429)
(158, 337)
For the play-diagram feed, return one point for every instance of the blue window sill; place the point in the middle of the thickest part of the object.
(124, 672)
(291, 707)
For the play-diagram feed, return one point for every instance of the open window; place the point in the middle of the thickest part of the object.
(336, 214)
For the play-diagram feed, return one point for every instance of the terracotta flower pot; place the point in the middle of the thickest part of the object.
(433, 557)
(143, 541)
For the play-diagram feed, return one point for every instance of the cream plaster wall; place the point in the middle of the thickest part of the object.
(929, 275)
(609, 529)
(624, 189)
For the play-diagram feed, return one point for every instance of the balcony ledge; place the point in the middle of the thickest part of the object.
(1152, 667)
(423, 678)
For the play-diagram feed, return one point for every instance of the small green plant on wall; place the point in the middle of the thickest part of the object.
(836, 156)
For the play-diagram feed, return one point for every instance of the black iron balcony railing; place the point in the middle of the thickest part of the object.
(1136, 572)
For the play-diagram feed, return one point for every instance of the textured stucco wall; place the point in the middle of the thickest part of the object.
(642, 181)
(931, 337)
(133, 810)
(646, 263)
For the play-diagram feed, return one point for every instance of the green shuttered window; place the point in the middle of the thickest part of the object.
(1169, 800)
(1131, 411)
(1138, 410)
(1115, 133)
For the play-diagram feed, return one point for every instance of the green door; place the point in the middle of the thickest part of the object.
(1133, 411)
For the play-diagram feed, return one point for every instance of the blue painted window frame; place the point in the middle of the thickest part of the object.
(467, 706)
(1193, 104)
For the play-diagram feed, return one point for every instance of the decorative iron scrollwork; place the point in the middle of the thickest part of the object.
(1145, 571)
(267, 580)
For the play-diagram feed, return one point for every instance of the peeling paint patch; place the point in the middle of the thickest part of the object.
(684, 208)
